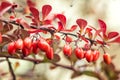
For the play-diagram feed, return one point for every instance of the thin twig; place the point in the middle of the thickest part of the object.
(11, 69)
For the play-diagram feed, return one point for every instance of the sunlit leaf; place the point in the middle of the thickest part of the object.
(112, 34)
(102, 26)
(117, 40)
(30, 3)
(24, 24)
(5, 6)
(74, 27)
(46, 10)
(81, 23)
(35, 13)
(62, 19)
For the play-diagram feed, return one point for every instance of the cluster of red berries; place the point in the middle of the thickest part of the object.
(89, 55)
(28, 46)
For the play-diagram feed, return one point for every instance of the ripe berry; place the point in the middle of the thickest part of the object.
(79, 53)
(27, 42)
(26, 51)
(19, 44)
(96, 55)
(43, 45)
(35, 47)
(11, 48)
(107, 58)
(89, 55)
(67, 50)
(50, 53)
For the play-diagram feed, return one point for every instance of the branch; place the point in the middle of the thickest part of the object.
(11, 69)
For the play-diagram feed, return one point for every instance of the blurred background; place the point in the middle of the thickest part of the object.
(91, 10)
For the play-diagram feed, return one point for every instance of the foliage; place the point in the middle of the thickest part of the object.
(27, 38)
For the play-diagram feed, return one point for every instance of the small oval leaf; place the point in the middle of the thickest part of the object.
(112, 34)
(46, 10)
(81, 23)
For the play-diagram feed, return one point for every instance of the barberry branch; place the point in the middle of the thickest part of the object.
(11, 69)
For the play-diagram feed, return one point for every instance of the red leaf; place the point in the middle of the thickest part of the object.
(46, 10)
(100, 42)
(23, 23)
(30, 3)
(88, 30)
(68, 39)
(102, 26)
(112, 34)
(46, 22)
(82, 23)
(60, 26)
(97, 32)
(117, 40)
(73, 27)
(34, 12)
(5, 6)
(62, 18)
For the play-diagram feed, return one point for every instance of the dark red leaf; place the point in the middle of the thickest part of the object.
(1, 26)
(112, 34)
(30, 3)
(100, 42)
(62, 18)
(102, 26)
(7, 28)
(46, 10)
(82, 23)
(5, 6)
(68, 39)
(60, 26)
(117, 40)
(34, 12)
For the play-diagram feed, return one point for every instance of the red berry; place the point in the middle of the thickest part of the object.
(107, 58)
(26, 51)
(79, 53)
(43, 45)
(67, 50)
(19, 44)
(11, 48)
(0, 37)
(35, 47)
(89, 55)
(27, 42)
(50, 53)
(96, 55)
